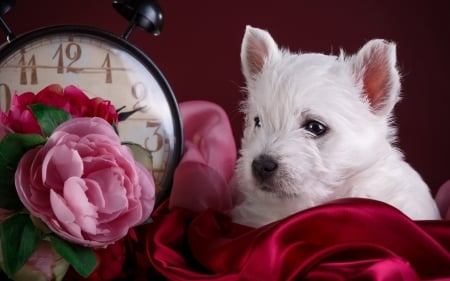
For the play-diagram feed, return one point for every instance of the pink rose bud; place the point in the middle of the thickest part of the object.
(43, 265)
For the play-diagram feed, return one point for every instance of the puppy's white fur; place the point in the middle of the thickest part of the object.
(353, 98)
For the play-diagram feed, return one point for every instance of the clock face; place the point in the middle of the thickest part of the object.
(102, 65)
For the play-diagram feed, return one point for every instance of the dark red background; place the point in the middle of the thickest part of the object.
(198, 52)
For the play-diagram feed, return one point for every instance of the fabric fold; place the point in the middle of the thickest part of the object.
(350, 239)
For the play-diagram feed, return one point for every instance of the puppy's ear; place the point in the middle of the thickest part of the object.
(256, 49)
(375, 67)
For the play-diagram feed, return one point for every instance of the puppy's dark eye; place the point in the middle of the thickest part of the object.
(315, 127)
(257, 122)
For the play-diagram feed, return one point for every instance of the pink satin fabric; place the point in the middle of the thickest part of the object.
(192, 237)
(200, 180)
(443, 200)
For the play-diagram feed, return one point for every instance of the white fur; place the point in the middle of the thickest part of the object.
(356, 156)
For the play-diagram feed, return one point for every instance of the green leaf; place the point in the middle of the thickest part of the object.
(82, 259)
(9, 199)
(12, 148)
(49, 117)
(19, 238)
(140, 154)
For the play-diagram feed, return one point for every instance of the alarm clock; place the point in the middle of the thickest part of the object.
(104, 65)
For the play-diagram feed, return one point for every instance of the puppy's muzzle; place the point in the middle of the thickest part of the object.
(264, 167)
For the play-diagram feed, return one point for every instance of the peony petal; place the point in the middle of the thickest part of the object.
(100, 162)
(22, 179)
(85, 213)
(131, 217)
(147, 186)
(114, 193)
(94, 193)
(63, 214)
(33, 195)
(112, 233)
(60, 137)
(39, 199)
(60, 163)
(84, 126)
(36, 171)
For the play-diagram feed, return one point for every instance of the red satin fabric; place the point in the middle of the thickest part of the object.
(351, 239)
(192, 238)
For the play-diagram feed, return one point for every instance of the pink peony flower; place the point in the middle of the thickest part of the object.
(84, 184)
(71, 99)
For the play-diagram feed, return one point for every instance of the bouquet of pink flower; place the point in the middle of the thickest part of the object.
(68, 187)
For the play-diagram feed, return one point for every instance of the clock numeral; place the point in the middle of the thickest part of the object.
(73, 52)
(23, 69)
(156, 141)
(139, 92)
(59, 54)
(5, 96)
(107, 66)
(74, 56)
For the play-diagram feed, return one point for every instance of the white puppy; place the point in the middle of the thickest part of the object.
(319, 128)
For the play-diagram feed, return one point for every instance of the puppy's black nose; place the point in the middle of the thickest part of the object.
(264, 167)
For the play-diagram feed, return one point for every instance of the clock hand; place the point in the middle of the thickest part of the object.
(124, 115)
